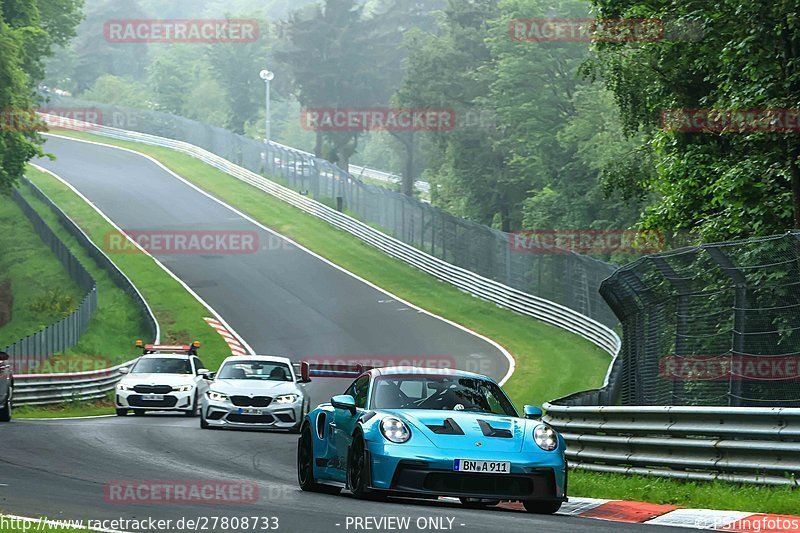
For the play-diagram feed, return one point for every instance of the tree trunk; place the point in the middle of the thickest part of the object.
(318, 146)
(794, 169)
(408, 175)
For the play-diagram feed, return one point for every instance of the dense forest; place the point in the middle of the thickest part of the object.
(549, 133)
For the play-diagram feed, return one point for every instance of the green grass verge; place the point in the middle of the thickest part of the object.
(66, 410)
(550, 361)
(117, 323)
(179, 314)
(691, 494)
(42, 290)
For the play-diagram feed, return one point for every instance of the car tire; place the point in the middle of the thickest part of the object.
(194, 407)
(305, 465)
(5, 411)
(138, 412)
(358, 470)
(203, 423)
(477, 503)
(541, 507)
(122, 412)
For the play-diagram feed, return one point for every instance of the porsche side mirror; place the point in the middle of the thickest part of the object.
(532, 412)
(346, 402)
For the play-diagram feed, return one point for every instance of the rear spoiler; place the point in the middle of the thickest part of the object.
(190, 349)
(323, 370)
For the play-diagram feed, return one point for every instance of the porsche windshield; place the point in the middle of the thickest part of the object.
(162, 366)
(445, 393)
(255, 370)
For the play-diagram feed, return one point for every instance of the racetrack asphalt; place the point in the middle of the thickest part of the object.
(281, 300)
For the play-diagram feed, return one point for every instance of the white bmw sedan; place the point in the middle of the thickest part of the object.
(254, 392)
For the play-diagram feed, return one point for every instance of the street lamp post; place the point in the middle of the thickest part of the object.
(268, 76)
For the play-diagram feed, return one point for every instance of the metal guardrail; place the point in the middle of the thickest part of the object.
(44, 389)
(498, 293)
(744, 445)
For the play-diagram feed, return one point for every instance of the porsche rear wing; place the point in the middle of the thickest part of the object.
(323, 370)
(190, 349)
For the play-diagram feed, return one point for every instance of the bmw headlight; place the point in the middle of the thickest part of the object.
(121, 386)
(183, 388)
(545, 437)
(217, 396)
(395, 430)
(286, 398)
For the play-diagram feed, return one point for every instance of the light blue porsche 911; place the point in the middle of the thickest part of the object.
(426, 433)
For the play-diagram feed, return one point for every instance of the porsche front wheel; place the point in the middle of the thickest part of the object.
(305, 465)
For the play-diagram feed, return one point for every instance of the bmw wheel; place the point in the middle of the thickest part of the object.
(194, 407)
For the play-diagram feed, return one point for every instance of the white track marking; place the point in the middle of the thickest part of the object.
(145, 252)
(506, 354)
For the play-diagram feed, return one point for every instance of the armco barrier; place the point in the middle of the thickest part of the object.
(43, 389)
(745, 444)
(498, 293)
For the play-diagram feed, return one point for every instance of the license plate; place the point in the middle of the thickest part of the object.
(483, 467)
(244, 411)
(153, 397)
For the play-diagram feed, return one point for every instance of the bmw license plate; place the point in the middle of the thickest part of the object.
(483, 467)
(153, 397)
(245, 411)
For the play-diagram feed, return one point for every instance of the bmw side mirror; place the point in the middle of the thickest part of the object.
(346, 402)
(532, 412)
(124, 370)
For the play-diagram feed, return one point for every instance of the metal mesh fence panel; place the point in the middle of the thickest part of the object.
(714, 325)
(567, 278)
(29, 352)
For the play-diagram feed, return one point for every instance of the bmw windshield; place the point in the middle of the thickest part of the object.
(446, 393)
(255, 370)
(162, 366)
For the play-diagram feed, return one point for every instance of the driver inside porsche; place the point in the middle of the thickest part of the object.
(440, 393)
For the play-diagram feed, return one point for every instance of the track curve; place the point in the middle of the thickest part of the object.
(281, 301)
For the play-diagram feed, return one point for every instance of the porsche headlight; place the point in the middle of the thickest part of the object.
(545, 437)
(121, 386)
(183, 388)
(217, 396)
(286, 398)
(395, 430)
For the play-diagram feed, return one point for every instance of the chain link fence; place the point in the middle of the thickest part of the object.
(561, 276)
(715, 325)
(64, 334)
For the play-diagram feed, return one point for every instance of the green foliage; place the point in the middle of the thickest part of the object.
(28, 30)
(114, 90)
(54, 301)
(741, 55)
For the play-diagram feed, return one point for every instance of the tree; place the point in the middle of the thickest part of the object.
(719, 185)
(235, 67)
(24, 43)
